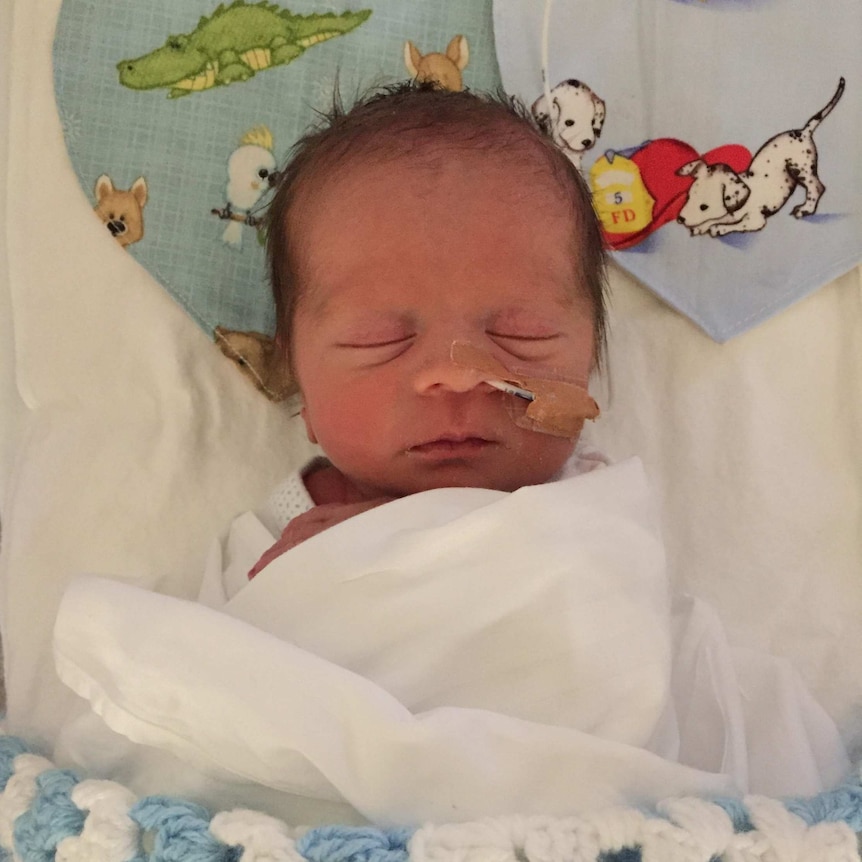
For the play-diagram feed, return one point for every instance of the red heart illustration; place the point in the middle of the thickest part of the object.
(658, 162)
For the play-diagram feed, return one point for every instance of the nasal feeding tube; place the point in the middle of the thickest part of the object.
(556, 407)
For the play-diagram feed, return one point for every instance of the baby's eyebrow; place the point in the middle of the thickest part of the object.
(375, 319)
(312, 301)
(524, 318)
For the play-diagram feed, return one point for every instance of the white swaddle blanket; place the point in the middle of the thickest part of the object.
(453, 654)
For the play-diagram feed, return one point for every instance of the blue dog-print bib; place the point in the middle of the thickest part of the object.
(720, 139)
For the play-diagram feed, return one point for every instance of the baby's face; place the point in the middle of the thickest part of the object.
(396, 264)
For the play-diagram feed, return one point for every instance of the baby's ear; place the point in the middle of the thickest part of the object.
(309, 430)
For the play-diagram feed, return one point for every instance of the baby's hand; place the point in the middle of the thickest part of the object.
(311, 523)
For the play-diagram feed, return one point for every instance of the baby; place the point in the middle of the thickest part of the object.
(418, 219)
(501, 636)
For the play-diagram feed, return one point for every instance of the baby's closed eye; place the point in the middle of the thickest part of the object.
(375, 349)
(527, 347)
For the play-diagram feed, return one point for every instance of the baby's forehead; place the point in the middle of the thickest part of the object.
(428, 173)
(520, 153)
(387, 197)
(392, 200)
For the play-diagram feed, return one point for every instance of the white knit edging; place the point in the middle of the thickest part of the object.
(690, 830)
(18, 796)
(687, 830)
(263, 838)
(109, 834)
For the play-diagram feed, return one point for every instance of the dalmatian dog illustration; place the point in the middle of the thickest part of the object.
(721, 201)
(574, 118)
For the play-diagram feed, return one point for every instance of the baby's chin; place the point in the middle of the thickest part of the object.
(462, 476)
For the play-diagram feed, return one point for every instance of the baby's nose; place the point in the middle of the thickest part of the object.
(442, 374)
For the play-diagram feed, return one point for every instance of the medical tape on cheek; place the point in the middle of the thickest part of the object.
(556, 407)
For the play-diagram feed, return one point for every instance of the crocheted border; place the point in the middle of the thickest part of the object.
(50, 814)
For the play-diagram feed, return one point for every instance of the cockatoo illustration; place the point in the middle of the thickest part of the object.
(251, 173)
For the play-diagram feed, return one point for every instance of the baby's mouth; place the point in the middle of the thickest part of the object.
(452, 446)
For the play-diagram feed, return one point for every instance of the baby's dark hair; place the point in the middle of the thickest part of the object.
(415, 118)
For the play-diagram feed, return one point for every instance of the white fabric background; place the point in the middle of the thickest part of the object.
(753, 447)
(10, 403)
(139, 441)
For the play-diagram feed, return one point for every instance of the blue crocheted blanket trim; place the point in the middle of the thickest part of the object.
(49, 814)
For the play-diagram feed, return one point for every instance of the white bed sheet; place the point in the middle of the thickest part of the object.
(139, 442)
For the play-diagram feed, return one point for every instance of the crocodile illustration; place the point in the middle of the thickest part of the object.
(231, 45)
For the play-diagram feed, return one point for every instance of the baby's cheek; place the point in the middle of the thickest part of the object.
(544, 455)
(347, 423)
